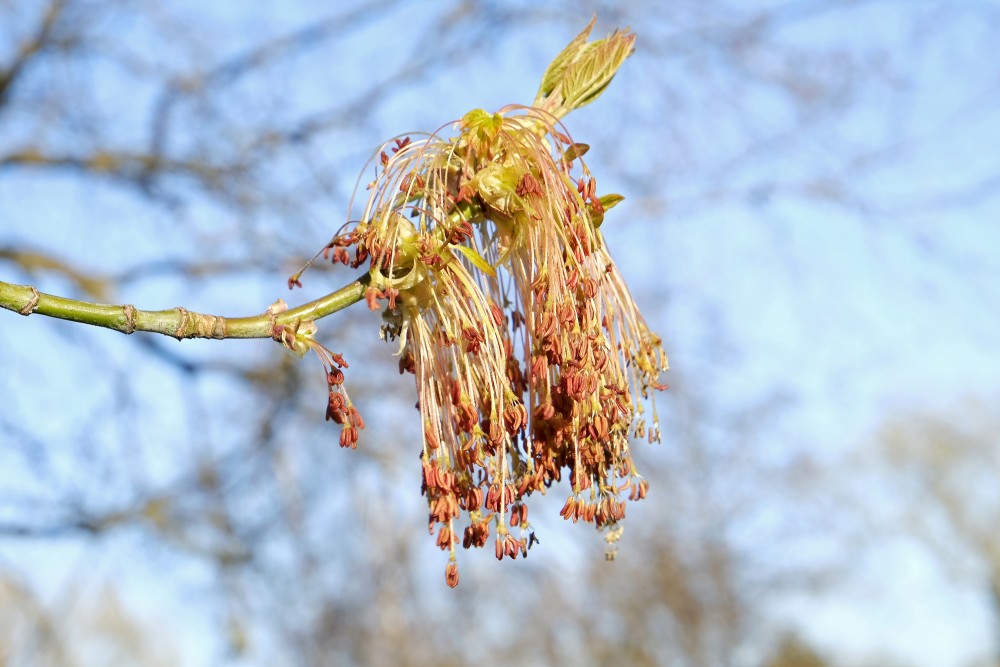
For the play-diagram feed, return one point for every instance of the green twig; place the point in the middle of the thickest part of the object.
(177, 322)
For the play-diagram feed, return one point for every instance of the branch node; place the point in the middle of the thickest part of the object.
(209, 326)
(130, 313)
(219, 328)
(179, 332)
(29, 307)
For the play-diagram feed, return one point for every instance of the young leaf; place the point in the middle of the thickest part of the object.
(478, 260)
(559, 64)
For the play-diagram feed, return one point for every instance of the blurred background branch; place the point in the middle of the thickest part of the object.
(809, 220)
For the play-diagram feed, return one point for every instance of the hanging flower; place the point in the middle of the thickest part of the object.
(299, 339)
(530, 356)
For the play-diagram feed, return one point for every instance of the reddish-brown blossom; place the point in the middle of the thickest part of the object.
(451, 574)
(530, 357)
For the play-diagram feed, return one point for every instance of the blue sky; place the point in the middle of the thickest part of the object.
(852, 264)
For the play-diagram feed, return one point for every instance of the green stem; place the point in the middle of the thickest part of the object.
(177, 322)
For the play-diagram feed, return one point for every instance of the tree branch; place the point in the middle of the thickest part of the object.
(177, 322)
(30, 49)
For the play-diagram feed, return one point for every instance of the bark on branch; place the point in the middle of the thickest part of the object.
(177, 322)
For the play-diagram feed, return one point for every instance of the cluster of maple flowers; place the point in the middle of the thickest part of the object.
(531, 358)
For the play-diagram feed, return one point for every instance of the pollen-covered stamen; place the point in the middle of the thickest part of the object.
(473, 339)
(477, 534)
(510, 546)
(349, 437)
(528, 185)
(451, 573)
(459, 233)
(336, 408)
(335, 377)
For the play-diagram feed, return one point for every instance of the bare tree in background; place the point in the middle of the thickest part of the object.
(86, 628)
(945, 467)
(206, 152)
(793, 652)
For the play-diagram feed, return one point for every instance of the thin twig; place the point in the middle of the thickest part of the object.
(177, 322)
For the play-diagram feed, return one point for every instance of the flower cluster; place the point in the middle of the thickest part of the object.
(531, 358)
